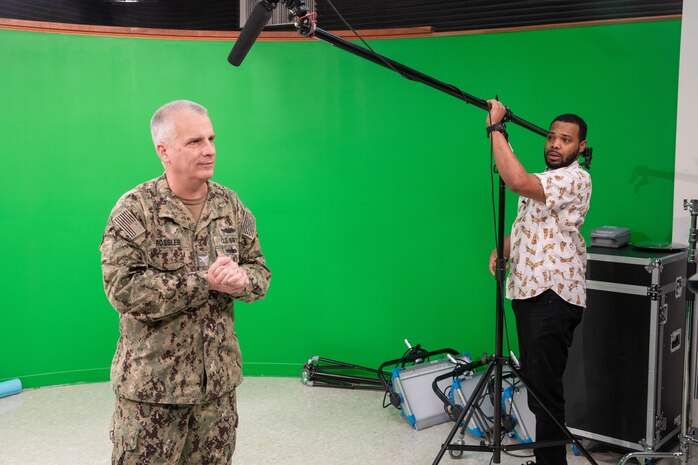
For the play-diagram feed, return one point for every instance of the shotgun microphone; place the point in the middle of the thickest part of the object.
(261, 13)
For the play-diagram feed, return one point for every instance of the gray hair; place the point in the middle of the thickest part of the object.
(162, 122)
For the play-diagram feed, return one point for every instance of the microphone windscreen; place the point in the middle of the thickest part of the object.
(253, 27)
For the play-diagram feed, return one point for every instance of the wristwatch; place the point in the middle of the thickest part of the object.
(501, 127)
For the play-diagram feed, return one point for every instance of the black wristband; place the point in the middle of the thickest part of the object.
(501, 127)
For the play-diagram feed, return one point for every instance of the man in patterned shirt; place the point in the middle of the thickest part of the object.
(547, 257)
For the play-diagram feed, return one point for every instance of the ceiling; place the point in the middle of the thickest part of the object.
(442, 15)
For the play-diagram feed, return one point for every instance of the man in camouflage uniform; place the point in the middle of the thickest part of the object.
(176, 253)
(548, 263)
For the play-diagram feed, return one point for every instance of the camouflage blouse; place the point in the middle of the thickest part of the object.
(178, 343)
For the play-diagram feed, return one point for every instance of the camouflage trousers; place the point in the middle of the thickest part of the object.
(165, 434)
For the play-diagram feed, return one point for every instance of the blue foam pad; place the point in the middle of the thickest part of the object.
(8, 388)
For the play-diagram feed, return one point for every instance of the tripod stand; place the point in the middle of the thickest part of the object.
(479, 419)
(494, 368)
(685, 439)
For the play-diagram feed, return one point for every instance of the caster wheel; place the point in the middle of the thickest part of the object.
(456, 454)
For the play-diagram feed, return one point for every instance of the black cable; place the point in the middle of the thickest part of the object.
(493, 167)
(518, 456)
(513, 381)
(500, 284)
(385, 395)
(463, 95)
(401, 363)
(380, 57)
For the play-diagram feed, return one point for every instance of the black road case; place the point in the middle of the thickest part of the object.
(624, 375)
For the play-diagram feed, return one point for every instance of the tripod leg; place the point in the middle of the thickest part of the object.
(471, 415)
(483, 424)
(478, 417)
(479, 389)
(562, 428)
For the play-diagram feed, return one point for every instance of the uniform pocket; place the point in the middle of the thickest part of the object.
(125, 440)
(230, 421)
(167, 258)
(226, 242)
(219, 445)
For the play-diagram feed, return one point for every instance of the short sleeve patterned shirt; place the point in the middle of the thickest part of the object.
(547, 248)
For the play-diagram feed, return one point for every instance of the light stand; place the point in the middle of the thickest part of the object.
(305, 23)
(319, 371)
(496, 362)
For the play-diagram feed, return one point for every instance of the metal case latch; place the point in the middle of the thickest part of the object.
(663, 313)
(654, 291)
(679, 287)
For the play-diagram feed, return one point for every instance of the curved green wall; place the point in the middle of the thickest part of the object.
(371, 192)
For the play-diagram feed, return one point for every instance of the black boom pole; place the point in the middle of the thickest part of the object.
(415, 75)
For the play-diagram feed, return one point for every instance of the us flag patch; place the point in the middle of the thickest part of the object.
(128, 225)
(248, 225)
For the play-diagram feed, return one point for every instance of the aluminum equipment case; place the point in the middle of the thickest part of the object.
(418, 403)
(623, 380)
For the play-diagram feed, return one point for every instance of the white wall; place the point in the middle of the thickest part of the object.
(686, 177)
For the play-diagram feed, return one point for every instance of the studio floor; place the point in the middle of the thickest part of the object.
(282, 421)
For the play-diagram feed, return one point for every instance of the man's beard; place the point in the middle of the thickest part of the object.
(561, 163)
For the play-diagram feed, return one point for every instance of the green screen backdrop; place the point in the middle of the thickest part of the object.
(372, 193)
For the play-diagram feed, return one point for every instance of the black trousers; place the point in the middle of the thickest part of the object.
(545, 325)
